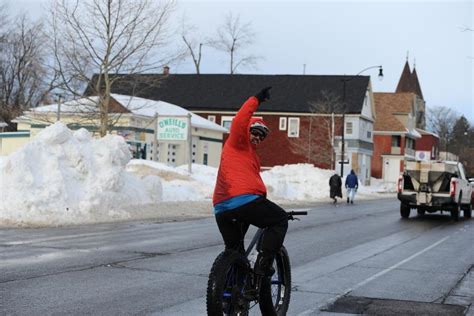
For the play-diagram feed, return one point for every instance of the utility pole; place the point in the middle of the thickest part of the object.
(190, 144)
(58, 113)
(155, 138)
(344, 80)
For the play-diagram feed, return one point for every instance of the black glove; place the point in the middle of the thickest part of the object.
(263, 95)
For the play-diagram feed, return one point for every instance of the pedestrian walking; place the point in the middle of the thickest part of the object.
(335, 184)
(352, 184)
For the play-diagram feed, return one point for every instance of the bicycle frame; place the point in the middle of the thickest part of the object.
(254, 241)
(231, 291)
(258, 234)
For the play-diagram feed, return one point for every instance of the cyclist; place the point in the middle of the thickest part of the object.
(240, 194)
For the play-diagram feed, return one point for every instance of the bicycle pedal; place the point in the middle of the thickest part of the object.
(251, 295)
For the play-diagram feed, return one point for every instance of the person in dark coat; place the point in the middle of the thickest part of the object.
(352, 184)
(335, 185)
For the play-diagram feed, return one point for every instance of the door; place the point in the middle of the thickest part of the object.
(391, 169)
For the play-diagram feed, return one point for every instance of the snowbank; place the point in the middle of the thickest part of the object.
(178, 184)
(297, 182)
(304, 182)
(65, 177)
(62, 177)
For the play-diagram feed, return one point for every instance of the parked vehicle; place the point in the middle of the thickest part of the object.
(435, 186)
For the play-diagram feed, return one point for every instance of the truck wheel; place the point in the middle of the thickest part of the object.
(420, 211)
(455, 212)
(468, 211)
(404, 210)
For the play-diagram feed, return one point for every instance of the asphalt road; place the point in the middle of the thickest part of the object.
(350, 259)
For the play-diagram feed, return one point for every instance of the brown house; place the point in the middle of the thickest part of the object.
(304, 112)
(399, 133)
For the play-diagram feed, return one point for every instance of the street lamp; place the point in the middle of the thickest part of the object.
(344, 80)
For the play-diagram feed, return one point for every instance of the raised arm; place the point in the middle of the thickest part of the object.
(239, 131)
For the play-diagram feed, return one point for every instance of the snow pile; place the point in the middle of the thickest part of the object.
(178, 184)
(63, 177)
(378, 186)
(297, 182)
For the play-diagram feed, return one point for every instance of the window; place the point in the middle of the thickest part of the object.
(293, 127)
(226, 121)
(349, 128)
(369, 134)
(282, 125)
(396, 141)
(211, 118)
(410, 143)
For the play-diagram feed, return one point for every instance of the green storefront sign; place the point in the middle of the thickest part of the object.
(172, 128)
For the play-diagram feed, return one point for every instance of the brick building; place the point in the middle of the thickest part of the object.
(304, 112)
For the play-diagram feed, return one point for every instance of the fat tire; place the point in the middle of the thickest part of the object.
(404, 210)
(217, 281)
(279, 304)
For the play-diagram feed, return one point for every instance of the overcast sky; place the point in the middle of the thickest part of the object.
(344, 37)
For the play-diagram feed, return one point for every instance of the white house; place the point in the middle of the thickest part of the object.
(136, 120)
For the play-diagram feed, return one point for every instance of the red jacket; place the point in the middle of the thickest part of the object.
(239, 170)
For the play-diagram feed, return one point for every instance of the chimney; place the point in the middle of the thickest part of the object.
(166, 70)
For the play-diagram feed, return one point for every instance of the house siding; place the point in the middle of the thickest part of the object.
(427, 143)
(383, 146)
(278, 148)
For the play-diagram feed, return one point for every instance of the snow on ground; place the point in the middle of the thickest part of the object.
(62, 177)
(178, 184)
(65, 177)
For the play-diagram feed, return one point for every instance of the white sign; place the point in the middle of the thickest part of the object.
(423, 155)
(172, 128)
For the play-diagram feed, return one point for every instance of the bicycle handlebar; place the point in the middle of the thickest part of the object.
(293, 213)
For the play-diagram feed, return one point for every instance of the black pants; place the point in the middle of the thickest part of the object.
(262, 213)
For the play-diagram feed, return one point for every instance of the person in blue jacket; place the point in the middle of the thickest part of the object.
(352, 183)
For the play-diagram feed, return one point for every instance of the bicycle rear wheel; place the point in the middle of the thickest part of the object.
(226, 284)
(275, 293)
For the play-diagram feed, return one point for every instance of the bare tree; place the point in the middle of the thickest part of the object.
(319, 130)
(193, 43)
(24, 77)
(441, 121)
(233, 38)
(3, 16)
(108, 38)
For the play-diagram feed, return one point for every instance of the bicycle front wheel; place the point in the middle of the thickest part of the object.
(225, 288)
(275, 293)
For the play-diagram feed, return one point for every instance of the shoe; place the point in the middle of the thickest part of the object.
(335, 201)
(347, 200)
(264, 266)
